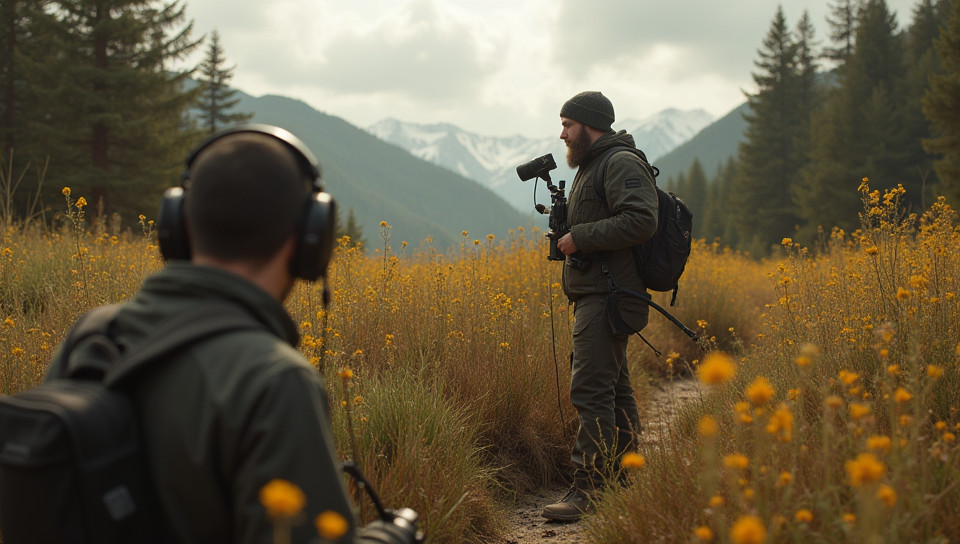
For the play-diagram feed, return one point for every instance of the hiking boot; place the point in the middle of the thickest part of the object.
(571, 507)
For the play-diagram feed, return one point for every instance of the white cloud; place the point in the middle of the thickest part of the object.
(498, 66)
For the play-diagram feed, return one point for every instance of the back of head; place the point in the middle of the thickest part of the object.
(245, 196)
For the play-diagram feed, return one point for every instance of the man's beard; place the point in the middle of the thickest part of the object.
(578, 149)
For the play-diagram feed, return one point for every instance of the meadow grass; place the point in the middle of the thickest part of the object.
(839, 422)
(458, 364)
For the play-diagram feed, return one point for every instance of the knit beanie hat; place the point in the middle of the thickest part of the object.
(590, 108)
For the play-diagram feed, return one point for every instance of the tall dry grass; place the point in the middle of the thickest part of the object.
(839, 423)
(459, 359)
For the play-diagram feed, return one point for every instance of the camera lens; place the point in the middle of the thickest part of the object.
(536, 167)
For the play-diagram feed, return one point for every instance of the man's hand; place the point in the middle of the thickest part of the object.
(566, 245)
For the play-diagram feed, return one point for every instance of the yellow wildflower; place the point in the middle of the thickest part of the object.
(934, 371)
(949, 437)
(748, 530)
(893, 370)
(81, 202)
(703, 533)
(859, 410)
(717, 367)
(849, 518)
(736, 461)
(784, 479)
(66, 191)
(902, 395)
(848, 377)
(716, 501)
(760, 391)
(331, 525)
(887, 495)
(346, 374)
(384, 224)
(282, 499)
(902, 294)
(707, 426)
(8, 323)
(864, 469)
(803, 516)
(781, 423)
(879, 443)
(633, 460)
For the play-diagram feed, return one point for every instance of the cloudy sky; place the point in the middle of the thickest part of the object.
(498, 67)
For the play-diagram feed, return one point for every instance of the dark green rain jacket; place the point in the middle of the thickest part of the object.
(231, 413)
(608, 228)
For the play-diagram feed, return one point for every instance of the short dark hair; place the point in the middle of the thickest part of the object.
(244, 199)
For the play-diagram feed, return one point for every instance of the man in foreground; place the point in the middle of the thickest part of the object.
(598, 247)
(226, 415)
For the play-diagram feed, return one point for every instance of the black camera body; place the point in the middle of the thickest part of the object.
(540, 167)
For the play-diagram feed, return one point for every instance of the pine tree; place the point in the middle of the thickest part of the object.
(116, 115)
(725, 186)
(217, 98)
(922, 63)
(697, 195)
(710, 222)
(352, 229)
(859, 132)
(769, 158)
(843, 18)
(21, 47)
(941, 105)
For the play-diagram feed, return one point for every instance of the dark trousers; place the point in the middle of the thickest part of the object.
(600, 390)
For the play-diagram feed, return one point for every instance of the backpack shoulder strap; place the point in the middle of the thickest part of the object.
(598, 183)
(94, 326)
(180, 332)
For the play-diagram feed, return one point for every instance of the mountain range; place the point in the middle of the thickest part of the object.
(381, 182)
(432, 182)
(492, 161)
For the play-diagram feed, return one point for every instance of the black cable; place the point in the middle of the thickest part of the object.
(556, 362)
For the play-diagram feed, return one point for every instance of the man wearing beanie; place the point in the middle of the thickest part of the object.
(604, 225)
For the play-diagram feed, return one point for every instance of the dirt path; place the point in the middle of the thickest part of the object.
(529, 527)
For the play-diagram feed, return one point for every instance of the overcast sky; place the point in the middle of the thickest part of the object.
(498, 67)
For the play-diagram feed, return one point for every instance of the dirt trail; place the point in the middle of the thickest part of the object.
(529, 527)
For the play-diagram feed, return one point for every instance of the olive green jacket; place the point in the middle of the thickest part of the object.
(610, 228)
(229, 414)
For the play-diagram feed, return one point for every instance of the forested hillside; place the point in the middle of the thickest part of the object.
(873, 101)
(88, 102)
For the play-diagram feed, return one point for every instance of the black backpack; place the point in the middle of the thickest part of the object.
(72, 468)
(661, 259)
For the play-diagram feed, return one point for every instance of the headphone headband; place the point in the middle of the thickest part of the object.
(309, 166)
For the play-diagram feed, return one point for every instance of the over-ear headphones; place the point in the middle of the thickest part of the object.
(315, 229)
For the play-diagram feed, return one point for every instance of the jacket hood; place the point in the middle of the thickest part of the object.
(611, 140)
(182, 283)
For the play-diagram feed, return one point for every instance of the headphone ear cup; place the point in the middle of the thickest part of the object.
(171, 226)
(315, 238)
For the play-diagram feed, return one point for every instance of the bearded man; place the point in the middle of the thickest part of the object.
(604, 225)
